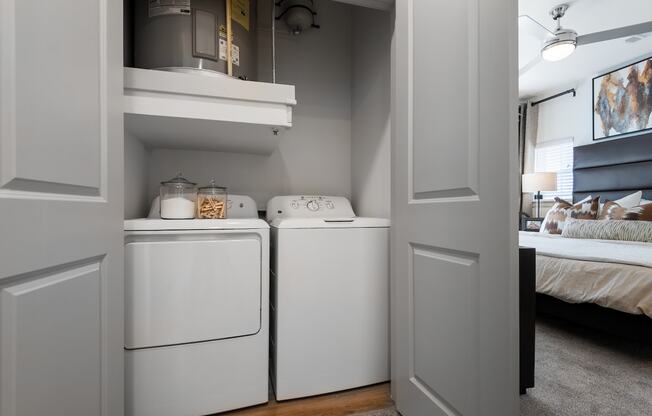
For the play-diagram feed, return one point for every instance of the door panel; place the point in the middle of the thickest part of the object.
(454, 237)
(445, 319)
(61, 199)
(444, 104)
(56, 315)
(56, 97)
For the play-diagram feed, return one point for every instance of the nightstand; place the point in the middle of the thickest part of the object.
(530, 224)
(527, 315)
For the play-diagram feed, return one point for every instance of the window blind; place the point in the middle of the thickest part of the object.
(556, 156)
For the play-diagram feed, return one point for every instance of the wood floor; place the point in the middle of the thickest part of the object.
(337, 404)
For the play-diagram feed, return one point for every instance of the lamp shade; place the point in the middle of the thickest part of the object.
(540, 181)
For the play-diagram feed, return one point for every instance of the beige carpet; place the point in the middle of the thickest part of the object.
(583, 372)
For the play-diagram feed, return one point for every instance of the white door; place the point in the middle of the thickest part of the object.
(454, 235)
(61, 205)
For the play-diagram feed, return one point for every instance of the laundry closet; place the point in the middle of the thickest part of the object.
(112, 302)
(304, 113)
(333, 137)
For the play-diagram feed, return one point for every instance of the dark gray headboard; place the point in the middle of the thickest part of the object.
(613, 168)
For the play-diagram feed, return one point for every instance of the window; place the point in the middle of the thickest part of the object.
(556, 156)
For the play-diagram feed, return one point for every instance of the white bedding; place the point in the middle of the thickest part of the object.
(613, 274)
(606, 251)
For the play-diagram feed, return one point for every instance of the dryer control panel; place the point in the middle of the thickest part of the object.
(309, 206)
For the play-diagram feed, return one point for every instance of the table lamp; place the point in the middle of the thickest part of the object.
(537, 182)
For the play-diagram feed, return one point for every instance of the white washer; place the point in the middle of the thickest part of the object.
(196, 313)
(329, 296)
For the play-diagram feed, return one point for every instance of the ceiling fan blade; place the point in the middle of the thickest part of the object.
(531, 26)
(620, 32)
(529, 65)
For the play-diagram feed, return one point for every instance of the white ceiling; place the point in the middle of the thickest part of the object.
(584, 16)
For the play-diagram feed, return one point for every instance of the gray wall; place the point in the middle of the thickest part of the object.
(315, 155)
(136, 178)
(371, 113)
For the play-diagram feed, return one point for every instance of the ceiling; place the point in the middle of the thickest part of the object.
(584, 16)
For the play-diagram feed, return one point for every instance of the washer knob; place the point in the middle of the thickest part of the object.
(312, 205)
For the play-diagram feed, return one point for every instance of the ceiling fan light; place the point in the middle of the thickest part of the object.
(558, 51)
(560, 46)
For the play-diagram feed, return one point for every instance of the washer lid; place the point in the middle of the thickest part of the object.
(152, 224)
(312, 223)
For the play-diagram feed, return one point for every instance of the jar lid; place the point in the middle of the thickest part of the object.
(179, 181)
(212, 185)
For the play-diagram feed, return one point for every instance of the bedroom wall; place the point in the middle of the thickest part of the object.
(567, 116)
(570, 116)
(314, 156)
(371, 113)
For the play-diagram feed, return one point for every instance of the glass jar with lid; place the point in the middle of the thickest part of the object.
(211, 201)
(178, 196)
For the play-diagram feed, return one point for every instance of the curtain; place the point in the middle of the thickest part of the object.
(528, 120)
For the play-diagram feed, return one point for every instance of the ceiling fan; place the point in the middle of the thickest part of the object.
(562, 42)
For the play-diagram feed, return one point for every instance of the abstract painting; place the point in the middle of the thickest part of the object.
(622, 101)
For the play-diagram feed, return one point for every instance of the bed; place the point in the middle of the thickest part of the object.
(602, 284)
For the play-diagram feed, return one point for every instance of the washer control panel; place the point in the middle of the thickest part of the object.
(309, 206)
(312, 203)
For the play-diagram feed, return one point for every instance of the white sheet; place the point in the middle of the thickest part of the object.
(623, 287)
(606, 251)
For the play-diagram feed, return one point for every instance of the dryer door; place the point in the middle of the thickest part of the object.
(192, 288)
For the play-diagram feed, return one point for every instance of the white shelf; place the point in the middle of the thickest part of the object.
(190, 111)
(372, 4)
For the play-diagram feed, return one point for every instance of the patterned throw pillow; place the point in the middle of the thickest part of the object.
(608, 209)
(628, 201)
(613, 211)
(586, 209)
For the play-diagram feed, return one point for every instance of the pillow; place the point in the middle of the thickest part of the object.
(586, 209)
(628, 201)
(613, 211)
(609, 230)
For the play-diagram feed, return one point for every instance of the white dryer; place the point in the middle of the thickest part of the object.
(196, 313)
(329, 296)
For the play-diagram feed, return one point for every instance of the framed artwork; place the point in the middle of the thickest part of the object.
(531, 224)
(622, 101)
